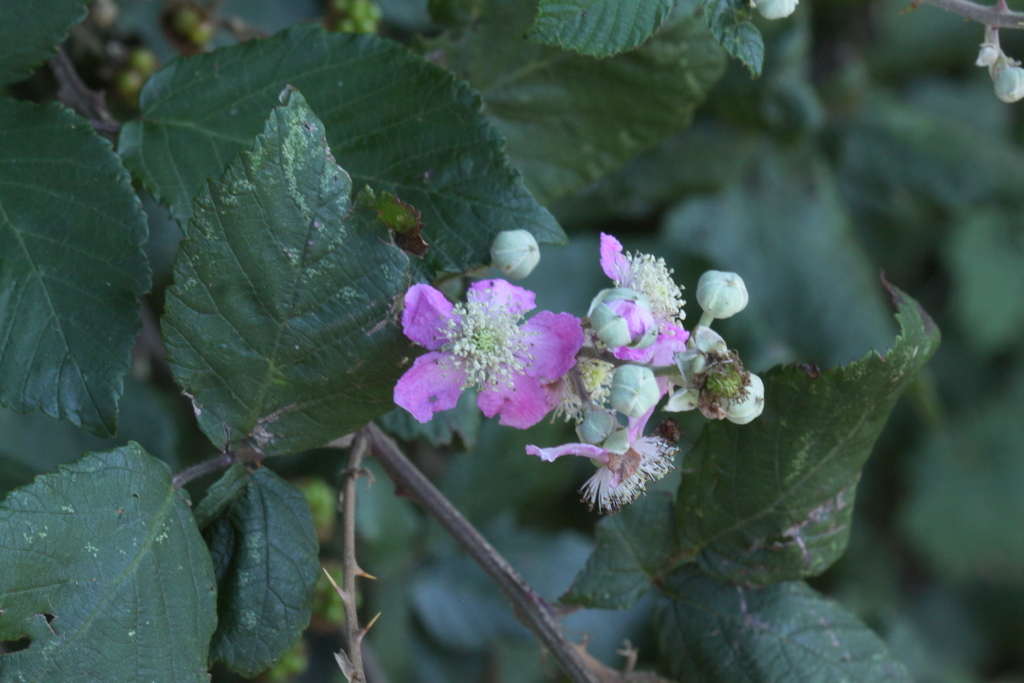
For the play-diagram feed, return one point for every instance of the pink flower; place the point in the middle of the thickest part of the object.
(653, 278)
(627, 465)
(482, 343)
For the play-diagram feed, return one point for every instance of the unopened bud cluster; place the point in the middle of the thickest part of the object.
(1006, 73)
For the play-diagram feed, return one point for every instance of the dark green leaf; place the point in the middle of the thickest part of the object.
(31, 31)
(964, 508)
(13, 474)
(784, 229)
(279, 322)
(729, 21)
(772, 500)
(152, 419)
(600, 28)
(464, 419)
(71, 235)
(461, 607)
(633, 547)
(710, 631)
(570, 119)
(985, 255)
(890, 154)
(267, 568)
(221, 494)
(104, 570)
(394, 122)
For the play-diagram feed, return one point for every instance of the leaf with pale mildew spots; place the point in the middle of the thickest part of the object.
(280, 322)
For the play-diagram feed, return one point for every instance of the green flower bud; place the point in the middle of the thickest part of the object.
(622, 317)
(634, 390)
(776, 9)
(597, 426)
(746, 410)
(1009, 83)
(515, 253)
(683, 400)
(618, 443)
(721, 295)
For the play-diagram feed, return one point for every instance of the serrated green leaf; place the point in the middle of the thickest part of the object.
(394, 122)
(568, 118)
(710, 631)
(267, 568)
(279, 322)
(773, 500)
(633, 547)
(31, 31)
(599, 28)
(221, 494)
(729, 21)
(71, 235)
(104, 570)
(784, 229)
(964, 506)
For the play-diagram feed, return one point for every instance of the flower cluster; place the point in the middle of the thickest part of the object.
(606, 372)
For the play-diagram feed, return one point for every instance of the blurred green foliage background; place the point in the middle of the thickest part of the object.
(870, 143)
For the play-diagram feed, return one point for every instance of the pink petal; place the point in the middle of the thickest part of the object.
(553, 339)
(639, 319)
(613, 263)
(671, 340)
(635, 355)
(585, 450)
(426, 316)
(637, 426)
(522, 405)
(431, 385)
(501, 294)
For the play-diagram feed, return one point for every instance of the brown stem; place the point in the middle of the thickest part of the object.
(983, 14)
(351, 568)
(205, 467)
(529, 608)
(77, 95)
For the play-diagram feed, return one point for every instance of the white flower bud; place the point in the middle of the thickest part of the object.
(721, 295)
(683, 400)
(987, 55)
(634, 390)
(752, 406)
(622, 317)
(597, 426)
(1009, 83)
(776, 9)
(515, 253)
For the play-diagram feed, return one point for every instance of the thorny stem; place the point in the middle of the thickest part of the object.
(77, 95)
(351, 569)
(205, 467)
(997, 17)
(535, 613)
